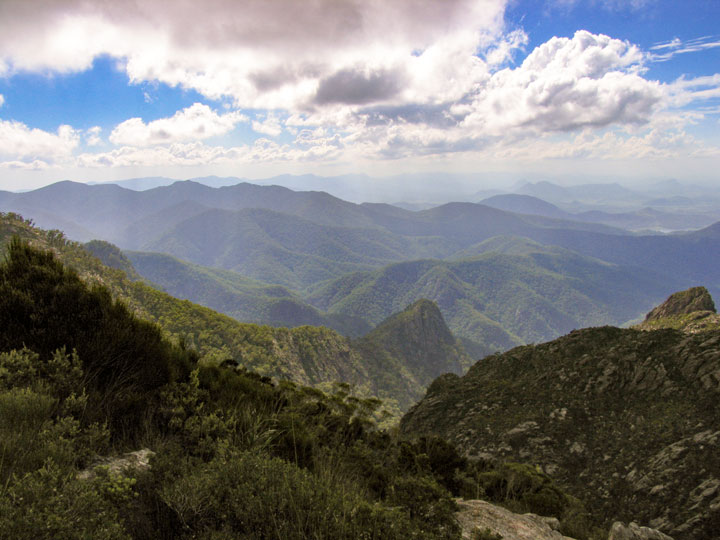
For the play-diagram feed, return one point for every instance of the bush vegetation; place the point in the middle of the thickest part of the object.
(236, 454)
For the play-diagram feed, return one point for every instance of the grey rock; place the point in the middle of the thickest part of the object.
(127, 463)
(477, 515)
(633, 531)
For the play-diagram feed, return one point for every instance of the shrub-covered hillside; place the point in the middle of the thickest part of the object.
(232, 454)
(308, 355)
(627, 420)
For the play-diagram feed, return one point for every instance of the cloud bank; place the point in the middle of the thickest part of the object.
(346, 80)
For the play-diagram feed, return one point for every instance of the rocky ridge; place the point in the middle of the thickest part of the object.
(626, 420)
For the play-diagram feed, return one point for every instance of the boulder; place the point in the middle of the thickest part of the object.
(480, 516)
(633, 531)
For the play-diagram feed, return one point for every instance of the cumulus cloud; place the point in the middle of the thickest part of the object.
(196, 122)
(2, 100)
(357, 78)
(23, 144)
(566, 84)
(261, 53)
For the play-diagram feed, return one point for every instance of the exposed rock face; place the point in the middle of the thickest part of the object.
(475, 515)
(628, 421)
(683, 303)
(633, 531)
(690, 311)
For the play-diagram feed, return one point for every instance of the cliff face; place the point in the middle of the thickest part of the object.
(626, 420)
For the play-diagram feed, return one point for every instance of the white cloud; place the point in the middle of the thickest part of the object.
(23, 144)
(92, 136)
(199, 154)
(261, 53)
(194, 123)
(697, 89)
(270, 126)
(669, 49)
(357, 79)
(35, 165)
(566, 84)
(2, 100)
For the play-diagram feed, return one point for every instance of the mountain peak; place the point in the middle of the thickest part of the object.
(420, 336)
(683, 303)
(417, 322)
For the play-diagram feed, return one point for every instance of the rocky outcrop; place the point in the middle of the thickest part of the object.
(626, 420)
(683, 303)
(477, 516)
(125, 464)
(690, 311)
(633, 531)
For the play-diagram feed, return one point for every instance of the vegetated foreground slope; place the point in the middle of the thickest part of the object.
(308, 355)
(627, 420)
(530, 293)
(231, 454)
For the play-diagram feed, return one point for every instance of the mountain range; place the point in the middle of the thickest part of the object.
(272, 255)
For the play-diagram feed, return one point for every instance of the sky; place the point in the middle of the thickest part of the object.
(109, 89)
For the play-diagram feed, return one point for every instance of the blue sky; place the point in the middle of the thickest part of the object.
(108, 90)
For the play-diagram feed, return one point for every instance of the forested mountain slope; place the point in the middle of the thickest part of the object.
(308, 355)
(627, 420)
(529, 294)
(227, 292)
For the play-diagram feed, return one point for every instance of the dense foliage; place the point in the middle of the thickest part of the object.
(235, 455)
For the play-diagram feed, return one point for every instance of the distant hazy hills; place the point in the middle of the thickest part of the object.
(312, 258)
(645, 218)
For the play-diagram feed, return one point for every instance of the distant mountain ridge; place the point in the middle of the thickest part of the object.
(643, 219)
(529, 293)
(145, 220)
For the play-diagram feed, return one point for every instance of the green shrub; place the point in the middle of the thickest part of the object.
(51, 503)
(255, 496)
